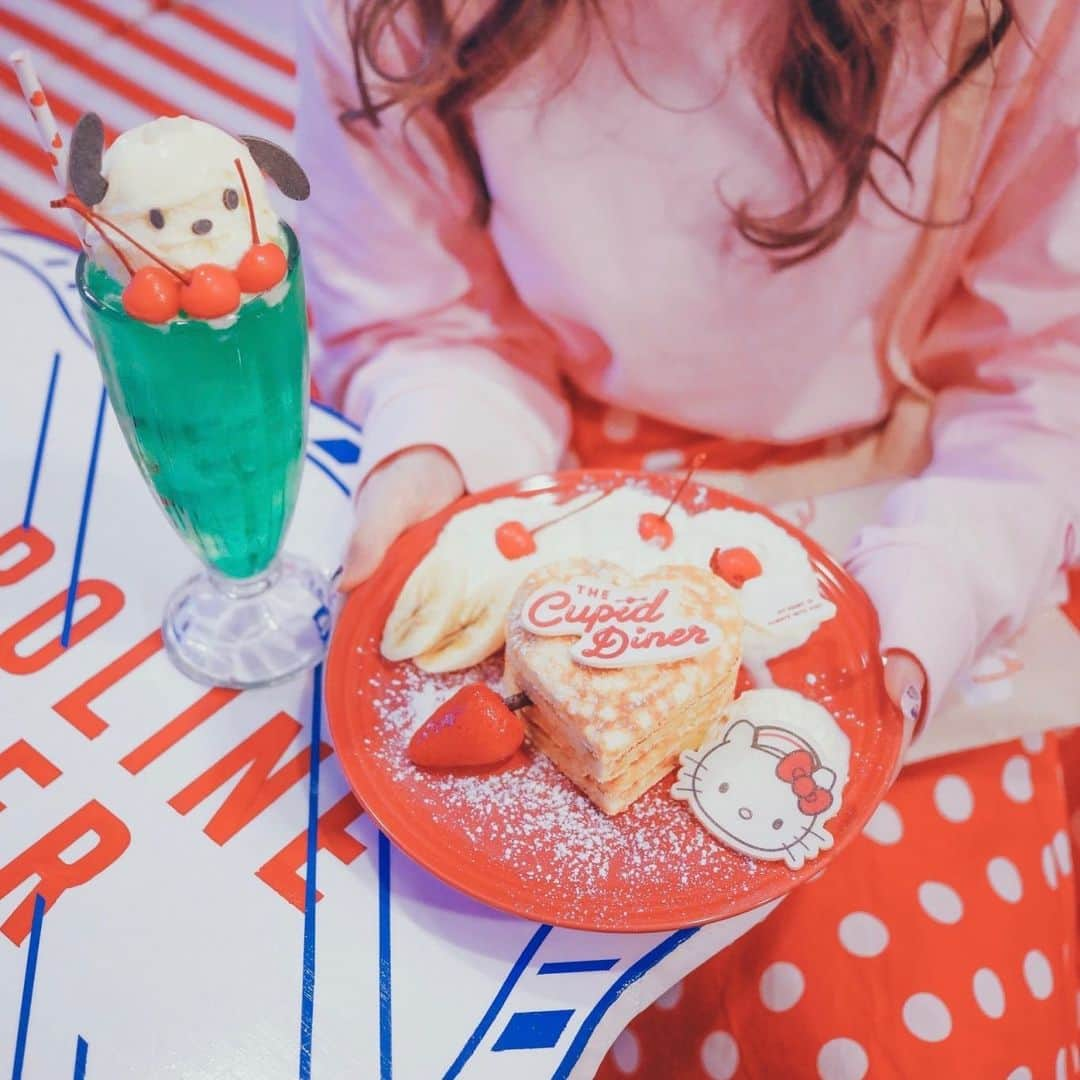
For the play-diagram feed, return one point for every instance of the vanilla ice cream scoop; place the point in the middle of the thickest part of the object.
(173, 185)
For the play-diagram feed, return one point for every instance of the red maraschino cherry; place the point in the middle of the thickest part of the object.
(152, 295)
(261, 268)
(515, 540)
(263, 265)
(473, 728)
(211, 293)
(736, 565)
(655, 529)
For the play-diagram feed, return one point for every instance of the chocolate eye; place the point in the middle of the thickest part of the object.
(723, 788)
(231, 198)
(157, 218)
(778, 823)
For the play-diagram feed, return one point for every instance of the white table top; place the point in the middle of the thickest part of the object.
(176, 943)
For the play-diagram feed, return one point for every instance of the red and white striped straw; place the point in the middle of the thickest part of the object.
(51, 139)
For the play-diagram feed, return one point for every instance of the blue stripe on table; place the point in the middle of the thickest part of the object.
(84, 517)
(386, 1029)
(28, 987)
(533, 1030)
(307, 985)
(35, 272)
(504, 991)
(630, 976)
(343, 451)
(338, 416)
(329, 472)
(43, 433)
(81, 1049)
(566, 967)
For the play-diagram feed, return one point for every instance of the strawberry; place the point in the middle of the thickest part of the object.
(474, 727)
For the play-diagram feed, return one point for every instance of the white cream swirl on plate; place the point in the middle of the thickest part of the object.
(451, 612)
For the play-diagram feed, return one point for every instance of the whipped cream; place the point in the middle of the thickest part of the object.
(781, 608)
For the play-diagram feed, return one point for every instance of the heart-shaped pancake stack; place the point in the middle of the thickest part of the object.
(624, 673)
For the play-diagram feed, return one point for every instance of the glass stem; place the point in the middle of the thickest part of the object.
(245, 588)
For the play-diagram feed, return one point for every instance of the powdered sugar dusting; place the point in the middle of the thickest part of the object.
(525, 838)
(533, 821)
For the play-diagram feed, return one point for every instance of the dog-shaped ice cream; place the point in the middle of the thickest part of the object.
(173, 185)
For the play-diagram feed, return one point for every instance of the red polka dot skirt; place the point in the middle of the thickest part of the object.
(941, 945)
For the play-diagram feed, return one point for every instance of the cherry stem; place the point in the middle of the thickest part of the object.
(72, 203)
(517, 701)
(85, 214)
(695, 464)
(247, 197)
(570, 513)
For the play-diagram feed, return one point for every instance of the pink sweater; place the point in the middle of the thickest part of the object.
(610, 258)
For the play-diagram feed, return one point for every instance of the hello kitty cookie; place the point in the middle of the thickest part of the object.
(773, 778)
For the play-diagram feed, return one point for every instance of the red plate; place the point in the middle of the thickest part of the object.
(522, 838)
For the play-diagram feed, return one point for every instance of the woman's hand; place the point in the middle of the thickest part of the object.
(905, 683)
(402, 491)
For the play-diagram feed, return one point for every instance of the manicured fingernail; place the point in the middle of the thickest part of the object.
(911, 703)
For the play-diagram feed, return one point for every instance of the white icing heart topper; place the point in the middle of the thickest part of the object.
(617, 627)
(772, 779)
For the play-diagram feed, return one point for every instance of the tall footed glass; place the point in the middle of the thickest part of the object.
(215, 414)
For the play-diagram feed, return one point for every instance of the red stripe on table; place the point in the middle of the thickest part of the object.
(26, 217)
(178, 61)
(26, 150)
(78, 59)
(65, 110)
(213, 26)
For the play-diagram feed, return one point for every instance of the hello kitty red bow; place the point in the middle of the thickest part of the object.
(797, 769)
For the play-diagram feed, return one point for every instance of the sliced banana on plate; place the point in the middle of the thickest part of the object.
(426, 609)
(477, 631)
(451, 612)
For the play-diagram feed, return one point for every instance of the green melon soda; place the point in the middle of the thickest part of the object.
(209, 385)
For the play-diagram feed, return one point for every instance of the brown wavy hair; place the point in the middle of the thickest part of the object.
(825, 84)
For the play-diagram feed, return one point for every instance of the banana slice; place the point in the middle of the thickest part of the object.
(477, 630)
(426, 610)
(450, 613)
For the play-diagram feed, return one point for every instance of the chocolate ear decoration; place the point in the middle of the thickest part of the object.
(280, 166)
(84, 160)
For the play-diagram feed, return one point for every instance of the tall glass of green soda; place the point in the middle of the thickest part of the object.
(215, 415)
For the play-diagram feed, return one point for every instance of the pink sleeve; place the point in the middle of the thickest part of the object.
(967, 551)
(420, 335)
